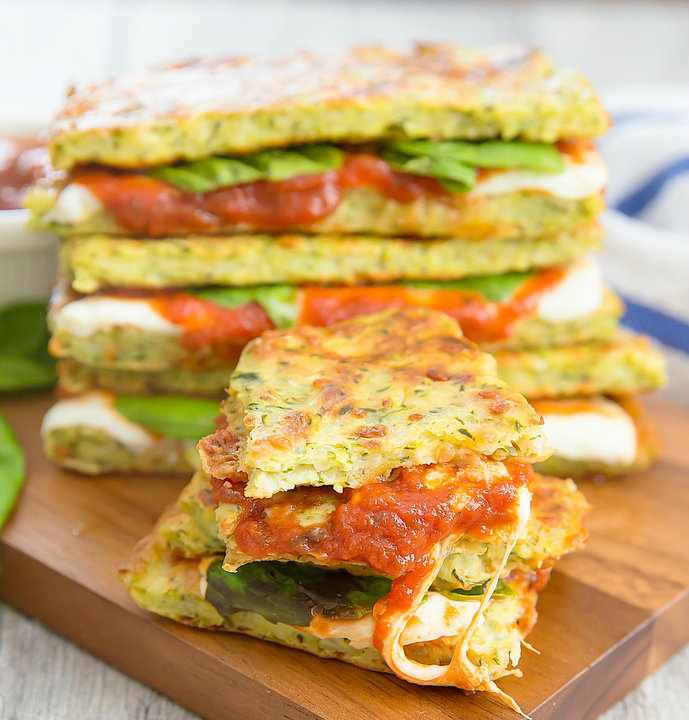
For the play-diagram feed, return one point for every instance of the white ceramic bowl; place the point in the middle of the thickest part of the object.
(28, 259)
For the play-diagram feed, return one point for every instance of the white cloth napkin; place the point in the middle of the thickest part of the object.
(646, 258)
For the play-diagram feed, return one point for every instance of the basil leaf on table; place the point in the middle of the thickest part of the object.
(12, 469)
(23, 328)
(539, 157)
(20, 373)
(279, 301)
(291, 592)
(177, 416)
(24, 360)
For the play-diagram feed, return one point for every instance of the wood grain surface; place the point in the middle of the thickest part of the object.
(612, 613)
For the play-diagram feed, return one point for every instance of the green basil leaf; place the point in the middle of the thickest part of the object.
(208, 174)
(23, 328)
(211, 173)
(496, 288)
(540, 157)
(280, 164)
(292, 593)
(456, 176)
(501, 589)
(20, 373)
(177, 416)
(12, 469)
(279, 301)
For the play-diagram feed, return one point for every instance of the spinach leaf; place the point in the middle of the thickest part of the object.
(24, 360)
(211, 173)
(279, 301)
(177, 416)
(291, 593)
(539, 157)
(12, 469)
(496, 288)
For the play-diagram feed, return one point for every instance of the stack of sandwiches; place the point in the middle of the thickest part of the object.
(204, 204)
(368, 495)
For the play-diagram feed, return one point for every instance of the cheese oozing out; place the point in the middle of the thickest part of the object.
(597, 430)
(436, 617)
(76, 203)
(579, 294)
(431, 616)
(95, 410)
(90, 315)
(577, 181)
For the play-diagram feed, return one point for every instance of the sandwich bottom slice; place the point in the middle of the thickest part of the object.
(478, 599)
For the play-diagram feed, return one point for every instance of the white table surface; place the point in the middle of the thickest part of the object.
(44, 676)
(47, 44)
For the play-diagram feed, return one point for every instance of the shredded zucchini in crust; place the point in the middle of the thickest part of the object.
(221, 107)
(94, 262)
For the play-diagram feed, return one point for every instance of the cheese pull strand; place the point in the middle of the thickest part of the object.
(391, 623)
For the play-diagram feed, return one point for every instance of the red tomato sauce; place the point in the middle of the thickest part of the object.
(148, 206)
(391, 526)
(206, 324)
(224, 330)
(22, 162)
(481, 320)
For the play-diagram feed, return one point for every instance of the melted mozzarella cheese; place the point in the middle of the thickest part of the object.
(90, 315)
(577, 295)
(95, 410)
(436, 617)
(75, 204)
(605, 433)
(576, 182)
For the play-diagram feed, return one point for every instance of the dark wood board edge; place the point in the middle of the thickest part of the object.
(623, 667)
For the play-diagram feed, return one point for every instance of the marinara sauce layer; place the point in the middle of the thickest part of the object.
(391, 526)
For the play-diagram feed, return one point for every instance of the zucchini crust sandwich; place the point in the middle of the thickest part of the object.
(368, 495)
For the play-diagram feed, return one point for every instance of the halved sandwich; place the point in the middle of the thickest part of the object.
(119, 420)
(203, 329)
(443, 140)
(372, 490)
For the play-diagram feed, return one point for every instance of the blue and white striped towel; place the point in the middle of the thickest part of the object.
(646, 258)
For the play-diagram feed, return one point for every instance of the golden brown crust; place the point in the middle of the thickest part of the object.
(341, 405)
(240, 105)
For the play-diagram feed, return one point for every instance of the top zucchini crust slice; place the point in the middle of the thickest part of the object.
(346, 404)
(236, 105)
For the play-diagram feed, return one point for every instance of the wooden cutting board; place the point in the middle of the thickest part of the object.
(612, 613)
